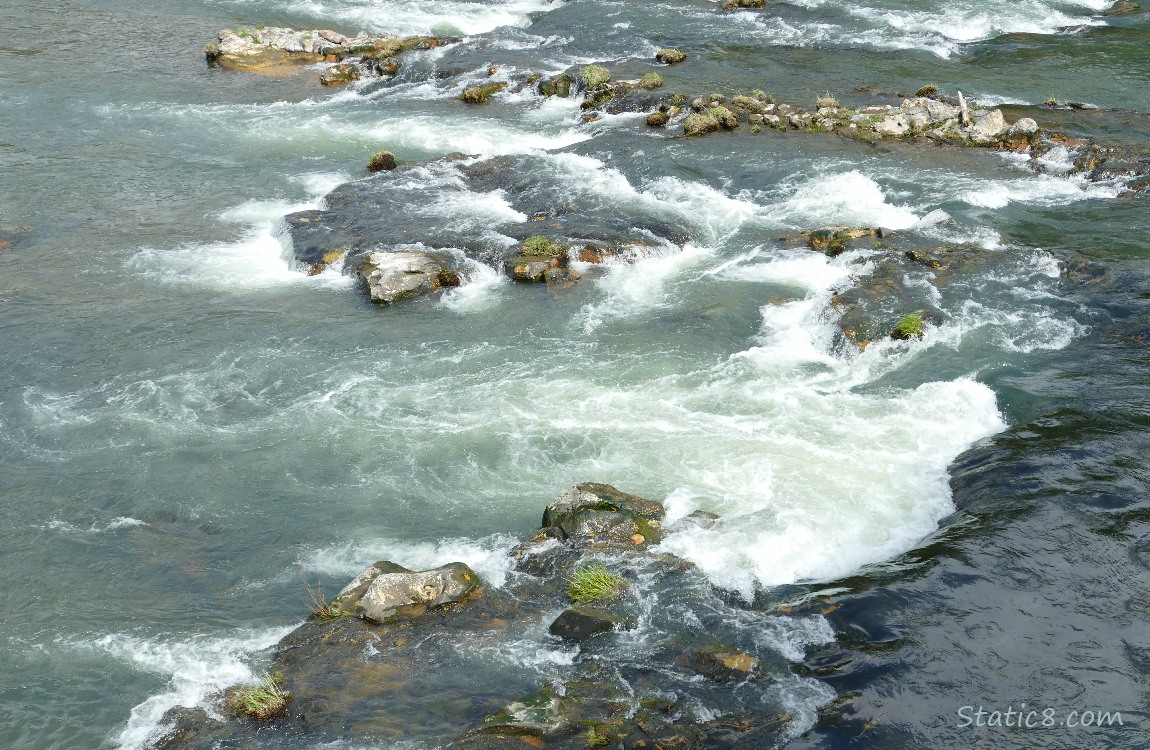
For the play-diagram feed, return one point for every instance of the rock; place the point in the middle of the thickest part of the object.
(383, 594)
(595, 76)
(725, 117)
(658, 119)
(577, 624)
(1122, 6)
(651, 81)
(929, 90)
(1024, 126)
(531, 268)
(725, 665)
(739, 4)
(670, 56)
(381, 161)
(559, 85)
(600, 513)
(704, 519)
(833, 241)
(340, 74)
(395, 276)
(536, 715)
(560, 278)
(481, 94)
(893, 125)
(988, 127)
(699, 124)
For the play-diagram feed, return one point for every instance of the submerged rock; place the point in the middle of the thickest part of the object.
(396, 276)
(580, 623)
(725, 665)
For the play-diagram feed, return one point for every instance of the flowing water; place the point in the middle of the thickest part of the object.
(189, 423)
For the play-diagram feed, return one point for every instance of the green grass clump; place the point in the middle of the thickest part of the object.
(594, 583)
(651, 81)
(594, 739)
(262, 701)
(541, 247)
(909, 326)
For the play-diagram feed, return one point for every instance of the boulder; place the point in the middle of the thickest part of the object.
(391, 277)
(340, 74)
(530, 268)
(658, 119)
(1024, 126)
(699, 124)
(577, 624)
(600, 513)
(386, 592)
(669, 56)
(988, 127)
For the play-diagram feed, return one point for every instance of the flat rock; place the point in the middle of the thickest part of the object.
(577, 624)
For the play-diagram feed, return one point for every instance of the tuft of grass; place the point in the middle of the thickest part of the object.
(541, 247)
(263, 701)
(909, 326)
(594, 739)
(594, 583)
(321, 608)
(826, 100)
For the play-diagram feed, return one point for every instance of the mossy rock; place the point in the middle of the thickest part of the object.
(559, 85)
(698, 123)
(742, 4)
(481, 94)
(725, 117)
(658, 119)
(651, 81)
(595, 76)
(670, 56)
(381, 161)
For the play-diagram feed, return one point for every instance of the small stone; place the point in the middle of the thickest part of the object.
(726, 665)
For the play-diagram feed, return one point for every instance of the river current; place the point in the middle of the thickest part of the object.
(192, 427)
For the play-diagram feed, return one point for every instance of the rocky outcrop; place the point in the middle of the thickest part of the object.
(391, 656)
(395, 276)
(267, 48)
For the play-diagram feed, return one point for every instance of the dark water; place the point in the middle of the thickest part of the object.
(189, 424)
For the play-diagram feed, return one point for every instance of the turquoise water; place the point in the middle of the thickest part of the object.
(189, 424)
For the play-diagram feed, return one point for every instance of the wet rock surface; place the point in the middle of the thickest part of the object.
(268, 48)
(394, 644)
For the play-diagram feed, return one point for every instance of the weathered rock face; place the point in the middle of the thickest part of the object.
(599, 513)
(253, 48)
(396, 276)
(269, 47)
(385, 592)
